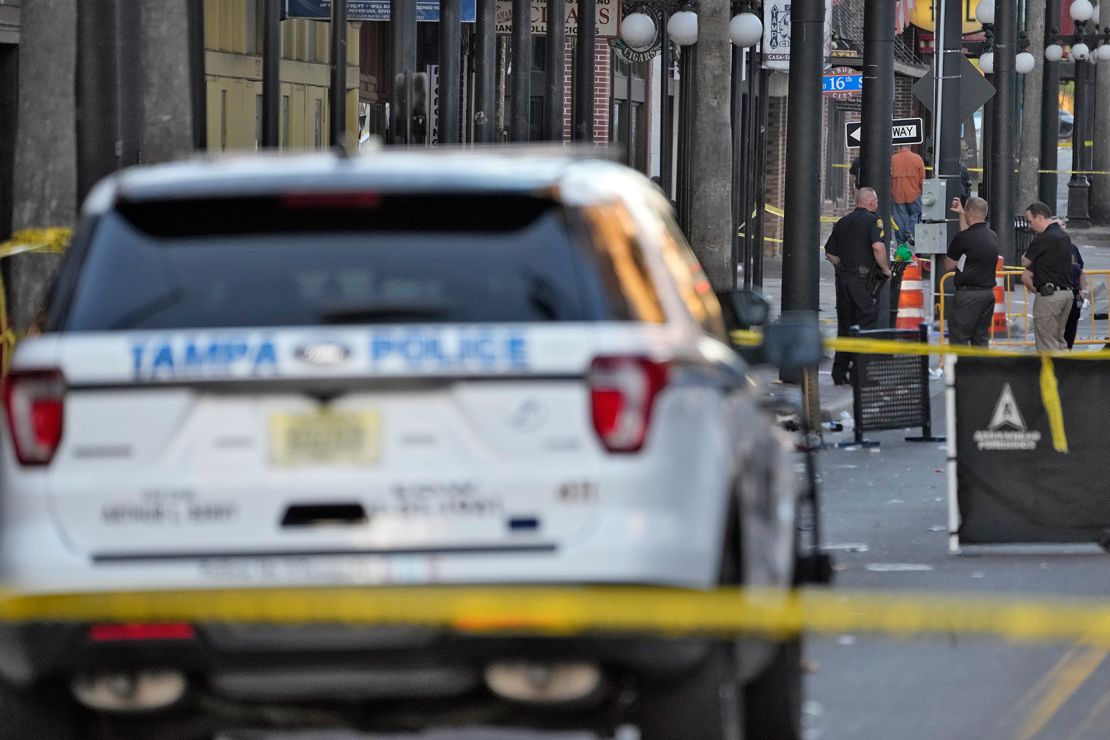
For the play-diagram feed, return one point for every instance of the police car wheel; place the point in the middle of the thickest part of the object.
(705, 703)
(773, 699)
(34, 715)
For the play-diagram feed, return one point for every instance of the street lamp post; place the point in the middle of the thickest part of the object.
(1050, 107)
(745, 32)
(646, 26)
(1079, 187)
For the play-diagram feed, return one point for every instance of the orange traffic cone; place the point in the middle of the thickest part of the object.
(911, 298)
(999, 327)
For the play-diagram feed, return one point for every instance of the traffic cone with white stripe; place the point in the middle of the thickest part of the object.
(911, 298)
(999, 326)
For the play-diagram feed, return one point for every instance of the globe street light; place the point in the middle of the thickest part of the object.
(638, 31)
(683, 28)
(1081, 10)
(745, 30)
(984, 12)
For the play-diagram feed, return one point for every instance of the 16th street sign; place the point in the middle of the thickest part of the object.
(902, 130)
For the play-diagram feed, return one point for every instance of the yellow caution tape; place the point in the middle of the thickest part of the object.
(1040, 172)
(892, 347)
(588, 609)
(774, 210)
(1050, 397)
(53, 239)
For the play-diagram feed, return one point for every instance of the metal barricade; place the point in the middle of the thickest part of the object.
(1019, 311)
(891, 391)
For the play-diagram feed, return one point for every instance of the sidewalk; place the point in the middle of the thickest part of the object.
(835, 399)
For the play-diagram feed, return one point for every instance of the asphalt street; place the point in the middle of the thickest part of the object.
(885, 515)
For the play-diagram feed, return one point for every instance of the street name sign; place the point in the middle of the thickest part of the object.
(842, 84)
(902, 131)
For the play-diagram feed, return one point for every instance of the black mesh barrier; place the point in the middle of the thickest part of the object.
(892, 391)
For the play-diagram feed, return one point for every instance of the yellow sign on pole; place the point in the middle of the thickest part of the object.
(922, 13)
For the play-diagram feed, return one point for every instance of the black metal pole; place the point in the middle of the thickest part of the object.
(129, 48)
(584, 71)
(554, 88)
(1088, 155)
(198, 84)
(878, 102)
(1079, 186)
(450, 59)
(271, 74)
(408, 25)
(1048, 183)
(522, 70)
(97, 94)
(802, 233)
(337, 92)
(687, 68)
(485, 78)
(760, 144)
(739, 181)
(946, 139)
(666, 110)
(1002, 129)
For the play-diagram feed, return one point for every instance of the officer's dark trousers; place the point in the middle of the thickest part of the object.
(854, 307)
(972, 313)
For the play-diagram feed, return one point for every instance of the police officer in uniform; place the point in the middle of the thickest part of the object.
(1047, 273)
(973, 254)
(858, 250)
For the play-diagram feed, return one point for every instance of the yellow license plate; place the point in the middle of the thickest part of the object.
(325, 438)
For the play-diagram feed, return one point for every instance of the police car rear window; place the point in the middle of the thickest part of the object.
(340, 258)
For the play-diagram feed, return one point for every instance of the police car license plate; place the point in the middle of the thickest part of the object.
(325, 438)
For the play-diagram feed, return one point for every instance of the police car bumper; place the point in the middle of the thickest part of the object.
(327, 663)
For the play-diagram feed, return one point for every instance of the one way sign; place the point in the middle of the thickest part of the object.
(903, 131)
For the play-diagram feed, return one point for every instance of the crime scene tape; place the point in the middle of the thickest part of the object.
(54, 240)
(1050, 391)
(776, 211)
(845, 166)
(563, 611)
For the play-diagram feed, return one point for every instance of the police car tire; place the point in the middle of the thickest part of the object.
(33, 716)
(704, 703)
(773, 699)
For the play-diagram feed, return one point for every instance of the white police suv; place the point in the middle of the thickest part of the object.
(408, 368)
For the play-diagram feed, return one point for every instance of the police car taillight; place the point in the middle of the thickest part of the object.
(34, 401)
(622, 393)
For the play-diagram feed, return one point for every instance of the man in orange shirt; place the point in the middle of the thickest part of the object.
(907, 172)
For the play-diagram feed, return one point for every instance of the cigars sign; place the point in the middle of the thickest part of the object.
(606, 17)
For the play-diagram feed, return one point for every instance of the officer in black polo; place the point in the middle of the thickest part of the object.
(973, 254)
(1047, 265)
(857, 248)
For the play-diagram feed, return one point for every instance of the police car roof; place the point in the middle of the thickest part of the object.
(495, 169)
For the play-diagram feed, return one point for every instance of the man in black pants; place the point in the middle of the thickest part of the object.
(973, 253)
(857, 248)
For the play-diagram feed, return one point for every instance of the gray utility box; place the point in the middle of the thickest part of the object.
(931, 234)
(934, 204)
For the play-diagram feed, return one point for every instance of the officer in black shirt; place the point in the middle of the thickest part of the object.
(973, 253)
(1047, 265)
(857, 248)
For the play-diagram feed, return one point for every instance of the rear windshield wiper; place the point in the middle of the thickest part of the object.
(370, 313)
